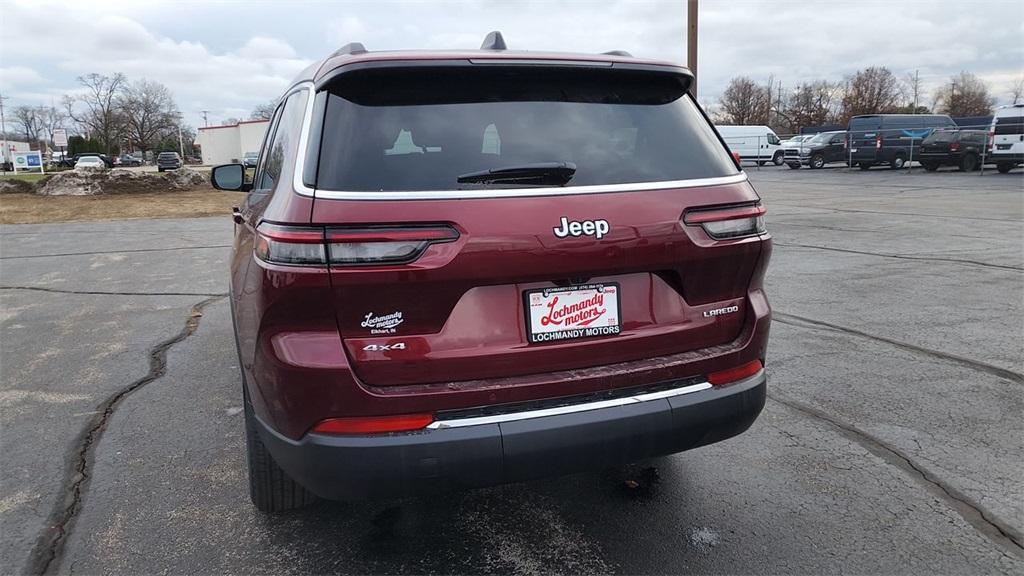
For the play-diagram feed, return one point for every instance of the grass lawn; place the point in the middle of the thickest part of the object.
(34, 209)
(31, 177)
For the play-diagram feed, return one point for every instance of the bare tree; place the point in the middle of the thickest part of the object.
(149, 112)
(264, 111)
(873, 90)
(1017, 90)
(97, 108)
(812, 103)
(50, 119)
(745, 102)
(965, 95)
(912, 89)
(26, 118)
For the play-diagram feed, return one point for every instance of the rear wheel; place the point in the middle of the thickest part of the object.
(270, 487)
(817, 161)
(930, 166)
(969, 163)
(1004, 167)
(897, 162)
(793, 165)
(864, 166)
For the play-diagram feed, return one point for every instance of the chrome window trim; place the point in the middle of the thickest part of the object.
(514, 192)
(571, 409)
(307, 120)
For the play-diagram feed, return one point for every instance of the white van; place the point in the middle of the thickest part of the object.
(1007, 145)
(753, 143)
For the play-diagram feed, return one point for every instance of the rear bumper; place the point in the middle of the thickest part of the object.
(1008, 158)
(479, 452)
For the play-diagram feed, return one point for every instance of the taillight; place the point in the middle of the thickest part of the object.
(991, 143)
(728, 221)
(291, 245)
(384, 245)
(735, 374)
(314, 246)
(374, 424)
(878, 142)
(954, 146)
(737, 158)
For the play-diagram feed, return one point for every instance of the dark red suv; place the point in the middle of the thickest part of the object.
(461, 269)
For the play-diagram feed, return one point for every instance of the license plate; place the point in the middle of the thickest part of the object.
(570, 312)
(1004, 146)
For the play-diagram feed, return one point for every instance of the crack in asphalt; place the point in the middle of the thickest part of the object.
(974, 514)
(802, 322)
(101, 293)
(823, 208)
(115, 252)
(904, 256)
(50, 542)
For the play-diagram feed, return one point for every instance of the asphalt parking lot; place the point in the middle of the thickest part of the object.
(892, 441)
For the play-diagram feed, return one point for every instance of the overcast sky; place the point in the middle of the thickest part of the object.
(227, 57)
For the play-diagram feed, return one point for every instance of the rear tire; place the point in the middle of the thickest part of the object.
(969, 163)
(1004, 167)
(817, 161)
(864, 166)
(930, 166)
(897, 162)
(793, 165)
(270, 487)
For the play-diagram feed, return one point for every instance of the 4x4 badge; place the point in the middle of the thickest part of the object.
(596, 228)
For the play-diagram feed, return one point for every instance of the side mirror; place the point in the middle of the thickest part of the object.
(229, 177)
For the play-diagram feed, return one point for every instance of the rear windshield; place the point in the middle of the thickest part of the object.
(1010, 125)
(942, 136)
(421, 129)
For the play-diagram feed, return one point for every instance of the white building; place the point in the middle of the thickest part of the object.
(228, 144)
(12, 147)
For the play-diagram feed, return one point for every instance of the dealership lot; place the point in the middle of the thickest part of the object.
(892, 440)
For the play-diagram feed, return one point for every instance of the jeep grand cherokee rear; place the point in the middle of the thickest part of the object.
(461, 269)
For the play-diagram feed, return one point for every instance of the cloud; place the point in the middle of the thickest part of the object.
(19, 76)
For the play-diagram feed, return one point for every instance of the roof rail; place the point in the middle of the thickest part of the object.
(617, 53)
(350, 48)
(494, 41)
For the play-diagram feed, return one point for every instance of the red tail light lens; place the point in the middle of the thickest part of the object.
(313, 246)
(736, 158)
(384, 245)
(954, 146)
(735, 374)
(374, 424)
(291, 245)
(878, 142)
(729, 221)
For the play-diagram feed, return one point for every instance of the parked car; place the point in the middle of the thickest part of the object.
(90, 163)
(488, 288)
(793, 141)
(756, 143)
(891, 139)
(128, 160)
(250, 158)
(961, 148)
(1007, 143)
(823, 148)
(168, 161)
(108, 161)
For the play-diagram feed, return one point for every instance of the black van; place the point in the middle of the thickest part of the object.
(887, 138)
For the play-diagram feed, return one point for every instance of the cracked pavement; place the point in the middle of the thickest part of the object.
(892, 440)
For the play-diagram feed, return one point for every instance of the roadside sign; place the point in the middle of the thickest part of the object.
(28, 161)
(60, 137)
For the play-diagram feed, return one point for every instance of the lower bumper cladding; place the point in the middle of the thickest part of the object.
(473, 452)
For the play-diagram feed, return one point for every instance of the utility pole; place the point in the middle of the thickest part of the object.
(691, 43)
(3, 128)
(917, 87)
(205, 112)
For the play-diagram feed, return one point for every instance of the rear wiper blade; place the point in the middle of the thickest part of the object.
(558, 173)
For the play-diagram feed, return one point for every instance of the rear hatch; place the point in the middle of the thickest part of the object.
(515, 273)
(1008, 137)
(938, 144)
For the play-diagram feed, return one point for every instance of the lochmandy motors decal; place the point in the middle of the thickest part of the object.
(573, 312)
(386, 324)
